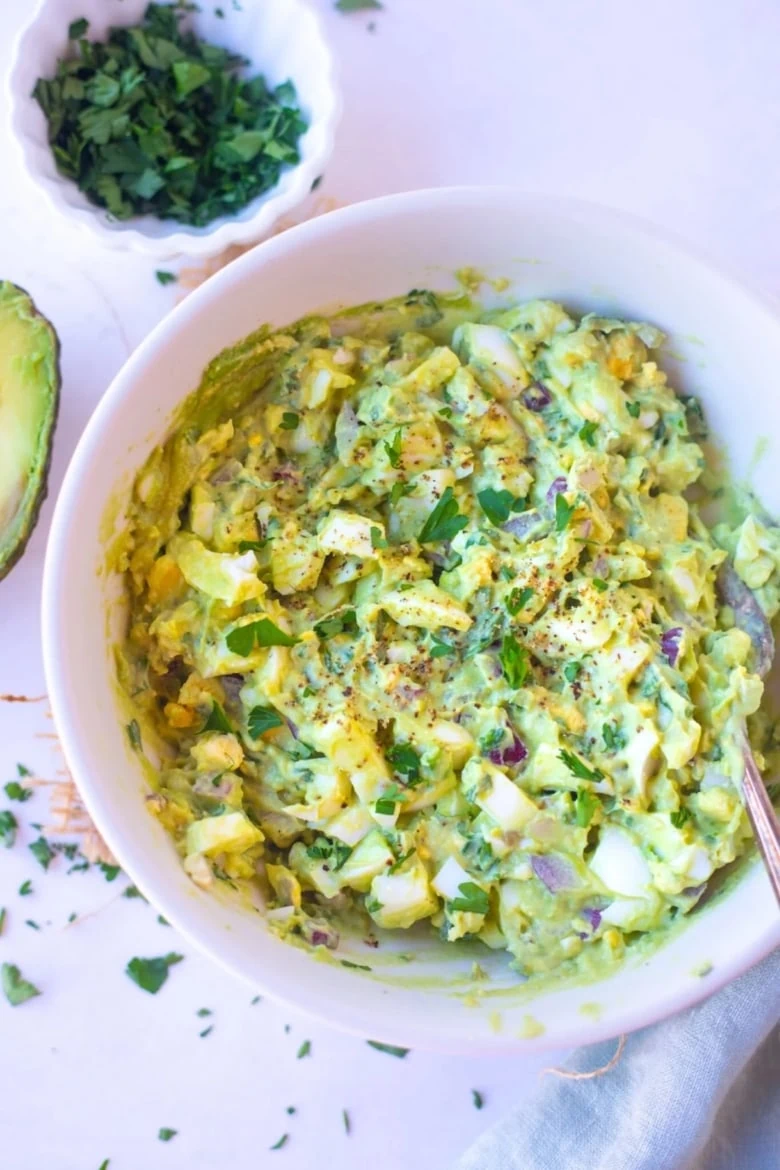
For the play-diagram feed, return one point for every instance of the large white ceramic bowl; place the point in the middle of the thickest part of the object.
(282, 40)
(724, 345)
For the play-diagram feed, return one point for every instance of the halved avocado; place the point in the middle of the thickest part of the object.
(29, 398)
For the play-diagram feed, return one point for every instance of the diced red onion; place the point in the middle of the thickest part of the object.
(592, 916)
(553, 871)
(670, 644)
(536, 397)
(556, 487)
(521, 525)
(319, 934)
(515, 753)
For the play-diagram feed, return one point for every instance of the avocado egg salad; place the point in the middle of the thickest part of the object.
(427, 626)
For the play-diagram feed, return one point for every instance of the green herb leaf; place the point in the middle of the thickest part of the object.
(354, 966)
(498, 504)
(444, 522)
(514, 661)
(26, 888)
(634, 409)
(134, 735)
(518, 599)
(333, 851)
(384, 806)
(600, 584)
(42, 852)
(571, 670)
(346, 1121)
(587, 432)
(394, 450)
(217, 720)
(150, 974)
(405, 761)
(578, 768)
(563, 512)
(166, 1134)
(614, 740)
(242, 639)
(164, 277)
(133, 892)
(290, 421)
(262, 719)
(304, 1050)
(22, 771)
(477, 1098)
(679, 817)
(356, 5)
(340, 623)
(110, 872)
(440, 648)
(399, 490)
(251, 545)
(15, 988)
(77, 29)
(585, 805)
(16, 791)
(473, 899)
(104, 1164)
(390, 1049)
(281, 1143)
(8, 827)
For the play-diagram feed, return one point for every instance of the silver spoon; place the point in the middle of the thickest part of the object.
(749, 616)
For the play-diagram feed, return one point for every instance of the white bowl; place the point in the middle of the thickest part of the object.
(281, 38)
(727, 347)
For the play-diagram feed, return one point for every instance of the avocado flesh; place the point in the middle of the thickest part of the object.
(29, 397)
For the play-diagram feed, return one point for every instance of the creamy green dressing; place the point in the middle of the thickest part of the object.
(426, 628)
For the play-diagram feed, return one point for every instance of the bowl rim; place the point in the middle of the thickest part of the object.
(184, 240)
(626, 1018)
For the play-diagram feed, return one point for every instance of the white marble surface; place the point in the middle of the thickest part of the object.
(669, 109)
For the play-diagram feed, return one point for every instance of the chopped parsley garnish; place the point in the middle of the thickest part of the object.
(587, 431)
(518, 599)
(155, 121)
(571, 670)
(339, 623)
(29, 922)
(283, 1140)
(150, 974)
(472, 899)
(578, 768)
(405, 761)
(16, 989)
(633, 409)
(21, 770)
(245, 546)
(390, 1049)
(614, 740)
(446, 412)
(217, 720)
(385, 807)
(497, 505)
(104, 1164)
(514, 661)
(166, 1134)
(399, 490)
(16, 791)
(242, 639)
(262, 719)
(133, 892)
(600, 584)
(563, 512)
(42, 852)
(346, 1121)
(377, 540)
(134, 735)
(330, 850)
(8, 827)
(164, 277)
(444, 522)
(355, 5)
(585, 805)
(354, 966)
(290, 421)
(679, 817)
(304, 1050)
(26, 888)
(491, 740)
(203, 1012)
(477, 1098)
(439, 648)
(393, 449)
(110, 872)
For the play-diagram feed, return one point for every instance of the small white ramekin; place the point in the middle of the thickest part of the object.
(281, 38)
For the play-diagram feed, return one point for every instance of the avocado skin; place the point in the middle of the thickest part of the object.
(32, 505)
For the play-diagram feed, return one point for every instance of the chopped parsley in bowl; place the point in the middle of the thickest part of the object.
(425, 628)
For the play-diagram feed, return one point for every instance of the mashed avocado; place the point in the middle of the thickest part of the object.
(426, 624)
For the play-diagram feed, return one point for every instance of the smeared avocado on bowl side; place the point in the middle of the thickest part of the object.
(29, 398)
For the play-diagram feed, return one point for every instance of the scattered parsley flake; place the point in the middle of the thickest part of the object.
(77, 29)
(472, 899)
(585, 806)
(16, 791)
(679, 817)
(203, 1012)
(134, 735)
(283, 1140)
(217, 720)
(290, 421)
(393, 449)
(166, 1134)
(444, 522)
(262, 719)
(497, 505)
(339, 623)
(8, 827)
(242, 639)
(399, 490)
(16, 989)
(405, 761)
(634, 409)
(600, 584)
(42, 852)
(356, 5)
(304, 1050)
(389, 1049)
(514, 661)
(150, 974)
(587, 431)
(477, 1098)
(164, 277)
(21, 770)
(518, 599)
(563, 512)
(30, 922)
(25, 888)
(571, 670)
(110, 872)
(354, 966)
(578, 768)
(346, 1121)
(377, 540)
(257, 999)
(440, 648)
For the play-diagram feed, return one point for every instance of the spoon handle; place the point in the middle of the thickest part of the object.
(766, 826)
